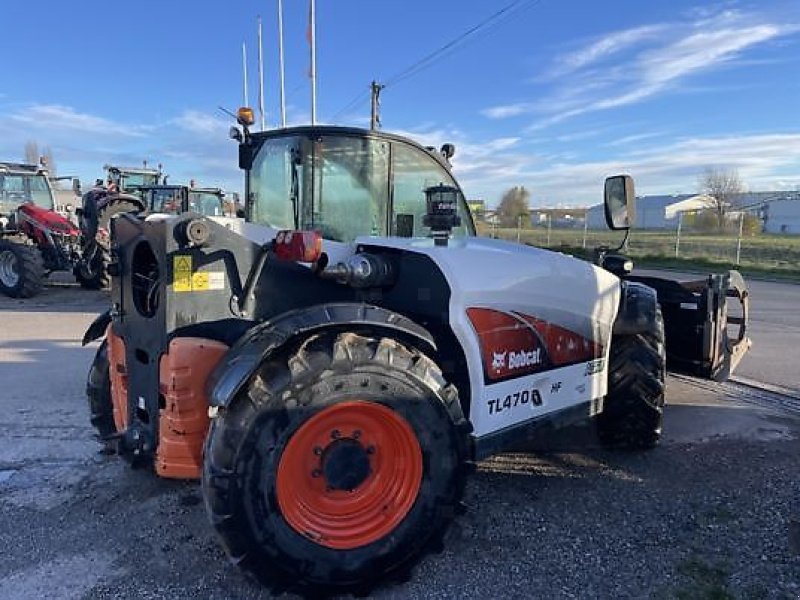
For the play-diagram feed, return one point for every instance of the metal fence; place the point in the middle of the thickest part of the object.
(735, 246)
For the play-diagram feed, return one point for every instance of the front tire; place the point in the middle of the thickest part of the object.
(21, 269)
(633, 411)
(340, 466)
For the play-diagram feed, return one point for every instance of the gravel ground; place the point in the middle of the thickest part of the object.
(714, 512)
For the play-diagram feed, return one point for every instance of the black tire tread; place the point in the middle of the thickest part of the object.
(30, 265)
(633, 411)
(279, 381)
(98, 394)
(96, 277)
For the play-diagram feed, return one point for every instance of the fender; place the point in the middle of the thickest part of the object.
(250, 351)
(637, 309)
(97, 328)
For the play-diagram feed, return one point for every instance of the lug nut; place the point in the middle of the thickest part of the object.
(316, 473)
(335, 434)
(370, 449)
(317, 450)
(356, 434)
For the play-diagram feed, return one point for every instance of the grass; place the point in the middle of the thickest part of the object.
(761, 255)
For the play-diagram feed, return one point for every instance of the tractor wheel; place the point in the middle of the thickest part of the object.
(21, 269)
(92, 274)
(634, 407)
(341, 465)
(98, 393)
(115, 206)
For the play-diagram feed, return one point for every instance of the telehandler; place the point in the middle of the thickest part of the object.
(332, 366)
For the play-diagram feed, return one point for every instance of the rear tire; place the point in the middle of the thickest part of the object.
(21, 269)
(98, 394)
(634, 407)
(288, 472)
(92, 274)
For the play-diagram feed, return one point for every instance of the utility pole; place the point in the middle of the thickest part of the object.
(375, 116)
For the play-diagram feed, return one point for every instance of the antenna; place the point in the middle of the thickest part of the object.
(244, 72)
(261, 77)
(280, 58)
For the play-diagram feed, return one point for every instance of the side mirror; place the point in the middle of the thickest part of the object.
(619, 199)
(76, 186)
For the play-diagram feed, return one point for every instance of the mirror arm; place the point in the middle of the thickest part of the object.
(624, 240)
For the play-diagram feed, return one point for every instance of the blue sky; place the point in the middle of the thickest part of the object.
(555, 95)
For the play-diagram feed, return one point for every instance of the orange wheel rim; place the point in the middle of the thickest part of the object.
(349, 475)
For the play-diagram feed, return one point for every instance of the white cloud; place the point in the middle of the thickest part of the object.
(508, 110)
(604, 47)
(192, 144)
(629, 139)
(56, 117)
(667, 167)
(199, 122)
(652, 59)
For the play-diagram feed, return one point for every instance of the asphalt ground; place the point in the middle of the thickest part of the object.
(713, 512)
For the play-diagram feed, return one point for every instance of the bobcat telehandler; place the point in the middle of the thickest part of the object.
(332, 366)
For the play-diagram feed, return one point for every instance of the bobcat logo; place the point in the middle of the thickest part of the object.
(499, 360)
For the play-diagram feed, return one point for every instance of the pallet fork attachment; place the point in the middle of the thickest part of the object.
(705, 323)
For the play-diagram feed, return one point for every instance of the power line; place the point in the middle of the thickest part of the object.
(358, 99)
(431, 58)
(491, 21)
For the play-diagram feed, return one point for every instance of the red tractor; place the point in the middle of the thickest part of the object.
(34, 239)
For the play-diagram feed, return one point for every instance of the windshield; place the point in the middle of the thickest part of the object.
(126, 180)
(166, 201)
(205, 203)
(19, 189)
(346, 186)
(138, 179)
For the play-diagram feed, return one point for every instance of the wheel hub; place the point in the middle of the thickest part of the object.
(349, 474)
(345, 464)
(9, 274)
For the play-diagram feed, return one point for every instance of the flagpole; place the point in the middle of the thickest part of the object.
(313, 26)
(280, 59)
(261, 77)
(244, 71)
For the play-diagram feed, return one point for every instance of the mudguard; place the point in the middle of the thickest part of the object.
(244, 358)
(97, 328)
(637, 310)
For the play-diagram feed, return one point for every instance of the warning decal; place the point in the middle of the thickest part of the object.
(182, 273)
(183, 280)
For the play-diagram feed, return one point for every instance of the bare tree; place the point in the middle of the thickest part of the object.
(513, 205)
(31, 152)
(724, 187)
(49, 161)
